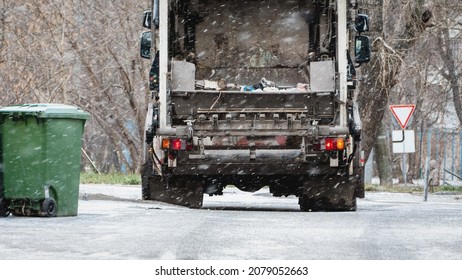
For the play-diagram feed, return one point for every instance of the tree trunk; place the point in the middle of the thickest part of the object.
(382, 155)
(2, 29)
(450, 71)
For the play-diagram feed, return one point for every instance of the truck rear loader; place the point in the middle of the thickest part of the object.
(254, 93)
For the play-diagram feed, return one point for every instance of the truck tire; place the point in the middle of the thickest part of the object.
(146, 173)
(341, 206)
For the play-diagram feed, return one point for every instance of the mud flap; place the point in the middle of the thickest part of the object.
(360, 191)
(336, 193)
(177, 189)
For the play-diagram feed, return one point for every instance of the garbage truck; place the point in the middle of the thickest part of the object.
(254, 94)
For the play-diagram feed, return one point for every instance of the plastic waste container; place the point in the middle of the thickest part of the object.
(40, 152)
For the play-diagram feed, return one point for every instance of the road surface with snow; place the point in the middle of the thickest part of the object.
(113, 223)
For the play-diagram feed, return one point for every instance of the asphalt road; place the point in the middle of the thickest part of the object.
(113, 223)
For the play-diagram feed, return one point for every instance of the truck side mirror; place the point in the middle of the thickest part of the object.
(362, 23)
(362, 49)
(147, 19)
(145, 44)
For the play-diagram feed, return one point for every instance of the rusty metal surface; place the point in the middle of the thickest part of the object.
(263, 34)
(315, 106)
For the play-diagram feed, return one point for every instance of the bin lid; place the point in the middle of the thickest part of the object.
(43, 110)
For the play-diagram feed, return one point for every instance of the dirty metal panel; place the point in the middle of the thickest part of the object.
(267, 33)
(227, 101)
(322, 76)
(191, 104)
(254, 128)
(183, 75)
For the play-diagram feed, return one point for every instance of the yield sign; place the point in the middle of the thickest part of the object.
(402, 113)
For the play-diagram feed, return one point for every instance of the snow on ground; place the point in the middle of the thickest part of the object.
(261, 199)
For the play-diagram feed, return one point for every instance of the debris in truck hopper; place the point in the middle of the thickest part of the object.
(221, 84)
(303, 87)
(247, 88)
(232, 87)
(269, 86)
(215, 85)
(263, 86)
(267, 83)
(206, 84)
(271, 89)
(258, 86)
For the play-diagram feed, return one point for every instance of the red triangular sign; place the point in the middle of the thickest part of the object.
(402, 113)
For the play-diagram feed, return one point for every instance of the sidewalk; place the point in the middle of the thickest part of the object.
(109, 192)
(414, 197)
(133, 192)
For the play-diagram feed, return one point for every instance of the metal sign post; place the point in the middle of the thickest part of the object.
(427, 164)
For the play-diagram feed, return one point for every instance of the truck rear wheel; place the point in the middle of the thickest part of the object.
(146, 173)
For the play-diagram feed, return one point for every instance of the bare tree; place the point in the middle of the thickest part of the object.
(83, 53)
(2, 28)
(426, 80)
(449, 38)
(397, 27)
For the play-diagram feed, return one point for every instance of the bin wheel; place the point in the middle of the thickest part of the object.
(4, 211)
(49, 207)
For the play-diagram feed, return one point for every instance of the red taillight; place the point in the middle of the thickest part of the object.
(332, 144)
(177, 144)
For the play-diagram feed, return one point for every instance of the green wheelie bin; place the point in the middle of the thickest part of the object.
(40, 152)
